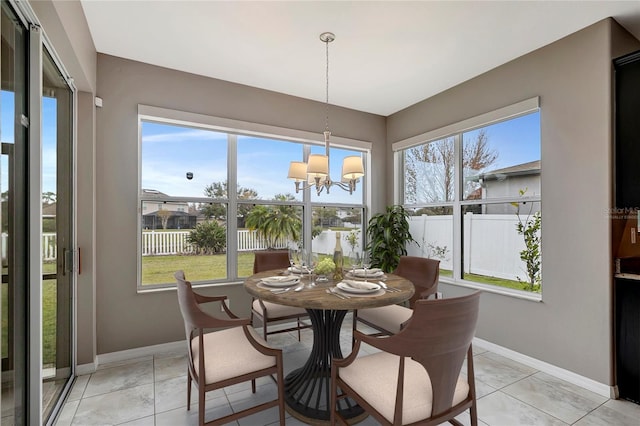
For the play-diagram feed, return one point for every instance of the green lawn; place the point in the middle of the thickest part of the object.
(160, 269)
(484, 279)
(48, 318)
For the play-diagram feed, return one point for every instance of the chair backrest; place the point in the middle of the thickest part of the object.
(438, 336)
(422, 272)
(270, 259)
(194, 317)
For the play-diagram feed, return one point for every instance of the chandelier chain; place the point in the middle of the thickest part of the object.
(315, 171)
(327, 85)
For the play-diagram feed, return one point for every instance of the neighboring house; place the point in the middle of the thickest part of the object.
(507, 182)
(179, 213)
(49, 217)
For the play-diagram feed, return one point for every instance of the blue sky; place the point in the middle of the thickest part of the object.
(7, 124)
(516, 141)
(169, 152)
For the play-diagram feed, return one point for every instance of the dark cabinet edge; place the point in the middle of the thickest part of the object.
(629, 57)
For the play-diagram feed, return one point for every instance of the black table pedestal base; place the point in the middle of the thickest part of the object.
(307, 389)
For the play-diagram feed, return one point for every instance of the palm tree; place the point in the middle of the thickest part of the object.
(276, 222)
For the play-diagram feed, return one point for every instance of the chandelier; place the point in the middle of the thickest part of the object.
(315, 172)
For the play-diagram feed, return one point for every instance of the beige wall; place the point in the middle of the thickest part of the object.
(571, 327)
(66, 27)
(85, 229)
(126, 319)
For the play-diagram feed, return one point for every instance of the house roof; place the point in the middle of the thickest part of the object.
(49, 210)
(530, 168)
(153, 193)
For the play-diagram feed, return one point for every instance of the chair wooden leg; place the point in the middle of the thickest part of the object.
(253, 386)
(188, 390)
(299, 329)
(354, 327)
(473, 413)
(264, 327)
(333, 398)
(280, 376)
(201, 405)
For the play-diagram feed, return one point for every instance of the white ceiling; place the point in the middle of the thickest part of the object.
(387, 55)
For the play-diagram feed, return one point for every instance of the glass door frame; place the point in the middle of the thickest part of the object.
(37, 42)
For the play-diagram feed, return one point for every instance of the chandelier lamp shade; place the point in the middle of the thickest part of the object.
(315, 172)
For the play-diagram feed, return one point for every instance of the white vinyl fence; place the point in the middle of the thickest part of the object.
(491, 243)
(175, 242)
(49, 247)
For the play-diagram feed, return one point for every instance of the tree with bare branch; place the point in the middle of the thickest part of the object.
(164, 216)
(429, 168)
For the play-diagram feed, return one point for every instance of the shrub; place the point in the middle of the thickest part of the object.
(208, 238)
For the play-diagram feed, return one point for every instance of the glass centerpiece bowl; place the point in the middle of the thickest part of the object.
(323, 269)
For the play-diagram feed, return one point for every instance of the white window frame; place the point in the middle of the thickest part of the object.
(455, 130)
(238, 127)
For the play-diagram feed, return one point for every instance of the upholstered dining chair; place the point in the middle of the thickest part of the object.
(418, 373)
(269, 312)
(234, 354)
(424, 274)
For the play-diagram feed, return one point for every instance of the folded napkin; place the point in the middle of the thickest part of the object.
(296, 270)
(361, 285)
(370, 272)
(279, 279)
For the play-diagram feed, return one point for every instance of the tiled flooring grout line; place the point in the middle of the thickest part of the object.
(153, 375)
(590, 412)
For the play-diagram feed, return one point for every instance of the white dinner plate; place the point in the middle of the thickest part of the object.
(371, 273)
(361, 288)
(280, 281)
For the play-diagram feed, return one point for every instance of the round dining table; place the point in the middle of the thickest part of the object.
(307, 389)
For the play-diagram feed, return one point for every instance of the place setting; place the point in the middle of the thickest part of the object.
(374, 273)
(279, 283)
(351, 288)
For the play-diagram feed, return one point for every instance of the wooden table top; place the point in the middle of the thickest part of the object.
(318, 298)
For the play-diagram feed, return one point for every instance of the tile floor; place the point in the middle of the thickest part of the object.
(150, 391)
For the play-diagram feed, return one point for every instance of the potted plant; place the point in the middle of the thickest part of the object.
(388, 237)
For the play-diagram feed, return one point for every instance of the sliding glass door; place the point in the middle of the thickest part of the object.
(36, 175)
(57, 232)
(13, 217)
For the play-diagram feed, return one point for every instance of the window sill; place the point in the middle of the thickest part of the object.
(172, 287)
(518, 294)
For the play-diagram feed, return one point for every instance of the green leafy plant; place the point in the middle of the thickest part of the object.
(529, 228)
(388, 237)
(352, 239)
(435, 251)
(208, 238)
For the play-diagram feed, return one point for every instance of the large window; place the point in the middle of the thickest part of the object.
(210, 198)
(475, 198)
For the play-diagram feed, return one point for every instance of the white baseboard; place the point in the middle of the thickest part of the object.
(569, 376)
(83, 369)
(129, 354)
(566, 375)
